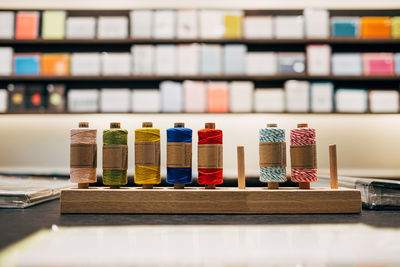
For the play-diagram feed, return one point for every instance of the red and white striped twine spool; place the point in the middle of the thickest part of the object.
(298, 137)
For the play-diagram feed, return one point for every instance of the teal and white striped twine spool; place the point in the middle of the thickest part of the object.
(272, 174)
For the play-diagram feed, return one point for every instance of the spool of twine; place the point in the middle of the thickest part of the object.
(111, 137)
(301, 136)
(272, 134)
(84, 136)
(210, 176)
(147, 174)
(179, 175)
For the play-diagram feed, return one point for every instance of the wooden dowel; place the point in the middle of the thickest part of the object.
(147, 186)
(211, 186)
(333, 166)
(304, 185)
(83, 185)
(273, 185)
(115, 187)
(241, 170)
(179, 186)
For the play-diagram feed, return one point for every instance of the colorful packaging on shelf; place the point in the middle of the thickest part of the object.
(210, 59)
(116, 64)
(241, 96)
(143, 59)
(269, 100)
(316, 23)
(85, 64)
(55, 64)
(397, 63)
(195, 96)
(291, 63)
(112, 27)
(289, 27)
(258, 27)
(80, 28)
(297, 96)
(141, 24)
(351, 100)
(3, 100)
(321, 97)
(188, 59)
(261, 63)
(53, 24)
(26, 64)
(347, 64)
(6, 63)
(318, 59)
(396, 27)
(376, 27)
(35, 100)
(7, 24)
(83, 100)
(217, 97)
(27, 25)
(171, 96)
(383, 101)
(233, 21)
(211, 24)
(17, 97)
(378, 64)
(146, 100)
(55, 98)
(164, 24)
(166, 60)
(187, 24)
(115, 100)
(234, 59)
(345, 26)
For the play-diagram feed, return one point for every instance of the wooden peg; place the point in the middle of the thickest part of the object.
(83, 185)
(115, 187)
(179, 186)
(333, 166)
(147, 186)
(211, 186)
(241, 168)
(304, 185)
(273, 185)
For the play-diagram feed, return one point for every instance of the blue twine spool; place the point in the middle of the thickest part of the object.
(272, 174)
(179, 175)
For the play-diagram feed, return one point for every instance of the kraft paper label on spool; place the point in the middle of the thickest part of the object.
(115, 157)
(83, 156)
(147, 153)
(179, 155)
(273, 154)
(303, 157)
(210, 156)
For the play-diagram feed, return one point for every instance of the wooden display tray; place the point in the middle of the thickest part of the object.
(168, 200)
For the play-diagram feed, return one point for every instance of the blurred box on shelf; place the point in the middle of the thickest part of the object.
(35, 100)
(233, 21)
(166, 60)
(378, 64)
(397, 63)
(55, 64)
(376, 27)
(291, 63)
(269, 100)
(83, 100)
(261, 63)
(187, 24)
(318, 59)
(143, 59)
(211, 24)
(345, 26)
(396, 27)
(112, 27)
(27, 25)
(116, 64)
(297, 96)
(195, 96)
(16, 97)
(383, 101)
(7, 25)
(141, 22)
(26, 64)
(53, 24)
(6, 63)
(211, 59)
(115, 100)
(188, 59)
(85, 64)
(3, 100)
(55, 98)
(351, 100)
(347, 64)
(241, 96)
(217, 97)
(321, 97)
(289, 27)
(164, 24)
(234, 59)
(146, 100)
(171, 96)
(316, 22)
(81, 28)
(258, 27)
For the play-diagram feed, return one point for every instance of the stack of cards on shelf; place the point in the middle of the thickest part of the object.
(53, 24)
(166, 60)
(85, 64)
(187, 24)
(35, 100)
(143, 59)
(211, 24)
(378, 63)
(195, 96)
(351, 100)
(27, 25)
(345, 26)
(26, 64)
(7, 24)
(233, 21)
(269, 100)
(318, 59)
(376, 27)
(289, 27)
(297, 96)
(115, 100)
(316, 22)
(164, 24)
(241, 96)
(234, 59)
(397, 63)
(146, 100)
(171, 96)
(6, 55)
(349, 64)
(384, 101)
(188, 59)
(83, 100)
(116, 64)
(321, 97)
(211, 59)
(81, 28)
(141, 24)
(55, 64)
(55, 98)
(291, 63)
(112, 27)
(261, 63)
(3, 100)
(258, 27)
(217, 97)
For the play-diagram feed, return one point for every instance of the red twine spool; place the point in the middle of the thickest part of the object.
(210, 176)
(298, 137)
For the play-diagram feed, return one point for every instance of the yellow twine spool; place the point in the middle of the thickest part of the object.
(145, 174)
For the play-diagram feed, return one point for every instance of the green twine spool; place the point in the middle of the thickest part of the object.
(115, 136)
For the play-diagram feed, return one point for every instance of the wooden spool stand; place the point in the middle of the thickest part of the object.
(221, 200)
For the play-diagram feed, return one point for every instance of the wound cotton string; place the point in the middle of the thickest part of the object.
(147, 155)
(115, 156)
(272, 150)
(179, 155)
(210, 160)
(83, 155)
(303, 155)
